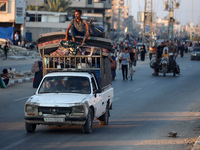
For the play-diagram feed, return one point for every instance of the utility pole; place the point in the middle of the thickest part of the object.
(118, 24)
(170, 5)
(147, 25)
(36, 11)
(191, 23)
(113, 18)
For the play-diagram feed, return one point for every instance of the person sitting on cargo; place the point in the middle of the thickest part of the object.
(165, 56)
(79, 27)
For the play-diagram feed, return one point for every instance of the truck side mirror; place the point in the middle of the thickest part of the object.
(96, 91)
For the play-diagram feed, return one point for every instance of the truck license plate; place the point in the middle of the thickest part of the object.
(54, 119)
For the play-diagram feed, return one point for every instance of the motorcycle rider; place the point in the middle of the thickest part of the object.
(173, 51)
(165, 56)
(159, 52)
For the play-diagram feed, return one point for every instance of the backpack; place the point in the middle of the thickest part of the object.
(113, 65)
(35, 67)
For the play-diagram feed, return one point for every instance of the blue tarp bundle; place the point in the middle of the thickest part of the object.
(7, 33)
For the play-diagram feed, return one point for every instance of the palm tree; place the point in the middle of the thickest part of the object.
(31, 7)
(56, 6)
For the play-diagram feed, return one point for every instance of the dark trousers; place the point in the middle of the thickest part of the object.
(5, 55)
(124, 71)
(94, 31)
(150, 56)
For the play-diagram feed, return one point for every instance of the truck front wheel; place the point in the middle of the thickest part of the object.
(30, 127)
(87, 127)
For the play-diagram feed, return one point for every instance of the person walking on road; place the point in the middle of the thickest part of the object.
(150, 53)
(181, 48)
(5, 48)
(125, 57)
(143, 51)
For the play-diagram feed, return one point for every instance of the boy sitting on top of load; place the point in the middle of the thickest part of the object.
(165, 56)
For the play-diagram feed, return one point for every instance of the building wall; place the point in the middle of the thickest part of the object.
(9, 15)
(44, 27)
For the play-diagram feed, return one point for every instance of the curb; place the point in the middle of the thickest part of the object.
(22, 80)
(196, 144)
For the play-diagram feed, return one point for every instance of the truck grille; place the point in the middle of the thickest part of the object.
(55, 110)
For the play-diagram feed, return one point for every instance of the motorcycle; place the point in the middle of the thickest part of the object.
(164, 67)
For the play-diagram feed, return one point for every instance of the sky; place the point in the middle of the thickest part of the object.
(183, 14)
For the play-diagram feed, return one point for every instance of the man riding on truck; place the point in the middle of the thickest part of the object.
(79, 27)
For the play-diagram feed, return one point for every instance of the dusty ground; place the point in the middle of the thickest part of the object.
(187, 126)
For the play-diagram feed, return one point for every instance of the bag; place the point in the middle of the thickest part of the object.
(35, 67)
(113, 65)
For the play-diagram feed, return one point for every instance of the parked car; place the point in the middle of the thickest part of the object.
(195, 53)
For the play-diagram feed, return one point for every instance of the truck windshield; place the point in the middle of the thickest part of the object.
(65, 84)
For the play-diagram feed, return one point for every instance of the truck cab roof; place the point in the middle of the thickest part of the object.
(85, 74)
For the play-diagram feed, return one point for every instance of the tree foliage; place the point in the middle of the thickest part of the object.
(56, 6)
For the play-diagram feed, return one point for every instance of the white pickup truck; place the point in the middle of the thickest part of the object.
(69, 98)
(76, 87)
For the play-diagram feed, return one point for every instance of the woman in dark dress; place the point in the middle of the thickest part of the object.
(38, 76)
(142, 53)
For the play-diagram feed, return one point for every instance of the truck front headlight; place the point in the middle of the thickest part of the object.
(78, 111)
(31, 110)
(193, 54)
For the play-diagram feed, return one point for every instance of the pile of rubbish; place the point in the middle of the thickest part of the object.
(13, 74)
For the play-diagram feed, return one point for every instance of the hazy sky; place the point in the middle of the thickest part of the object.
(183, 14)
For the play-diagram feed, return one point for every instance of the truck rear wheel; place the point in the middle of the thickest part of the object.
(87, 127)
(104, 119)
(30, 127)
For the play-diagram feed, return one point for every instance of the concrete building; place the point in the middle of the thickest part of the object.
(120, 10)
(12, 14)
(53, 21)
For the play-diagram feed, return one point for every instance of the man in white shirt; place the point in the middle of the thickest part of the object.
(16, 37)
(125, 58)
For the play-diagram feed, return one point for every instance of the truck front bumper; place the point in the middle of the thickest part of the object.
(65, 121)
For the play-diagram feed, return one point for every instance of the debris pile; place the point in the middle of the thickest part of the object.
(20, 52)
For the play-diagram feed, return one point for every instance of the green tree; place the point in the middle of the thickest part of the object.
(31, 7)
(56, 6)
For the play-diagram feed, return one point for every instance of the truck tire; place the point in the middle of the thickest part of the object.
(30, 127)
(104, 119)
(87, 127)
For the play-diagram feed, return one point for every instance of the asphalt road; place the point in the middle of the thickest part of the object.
(144, 111)
(20, 65)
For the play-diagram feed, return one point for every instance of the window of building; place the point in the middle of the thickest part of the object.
(89, 1)
(89, 11)
(3, 6)
(33, 18)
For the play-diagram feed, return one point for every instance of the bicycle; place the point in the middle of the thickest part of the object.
(131, 70)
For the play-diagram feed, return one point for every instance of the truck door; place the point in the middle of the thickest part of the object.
(97, 100)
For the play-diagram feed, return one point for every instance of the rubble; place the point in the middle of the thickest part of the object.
(17, 52)
(13, 74)
(172, 134)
